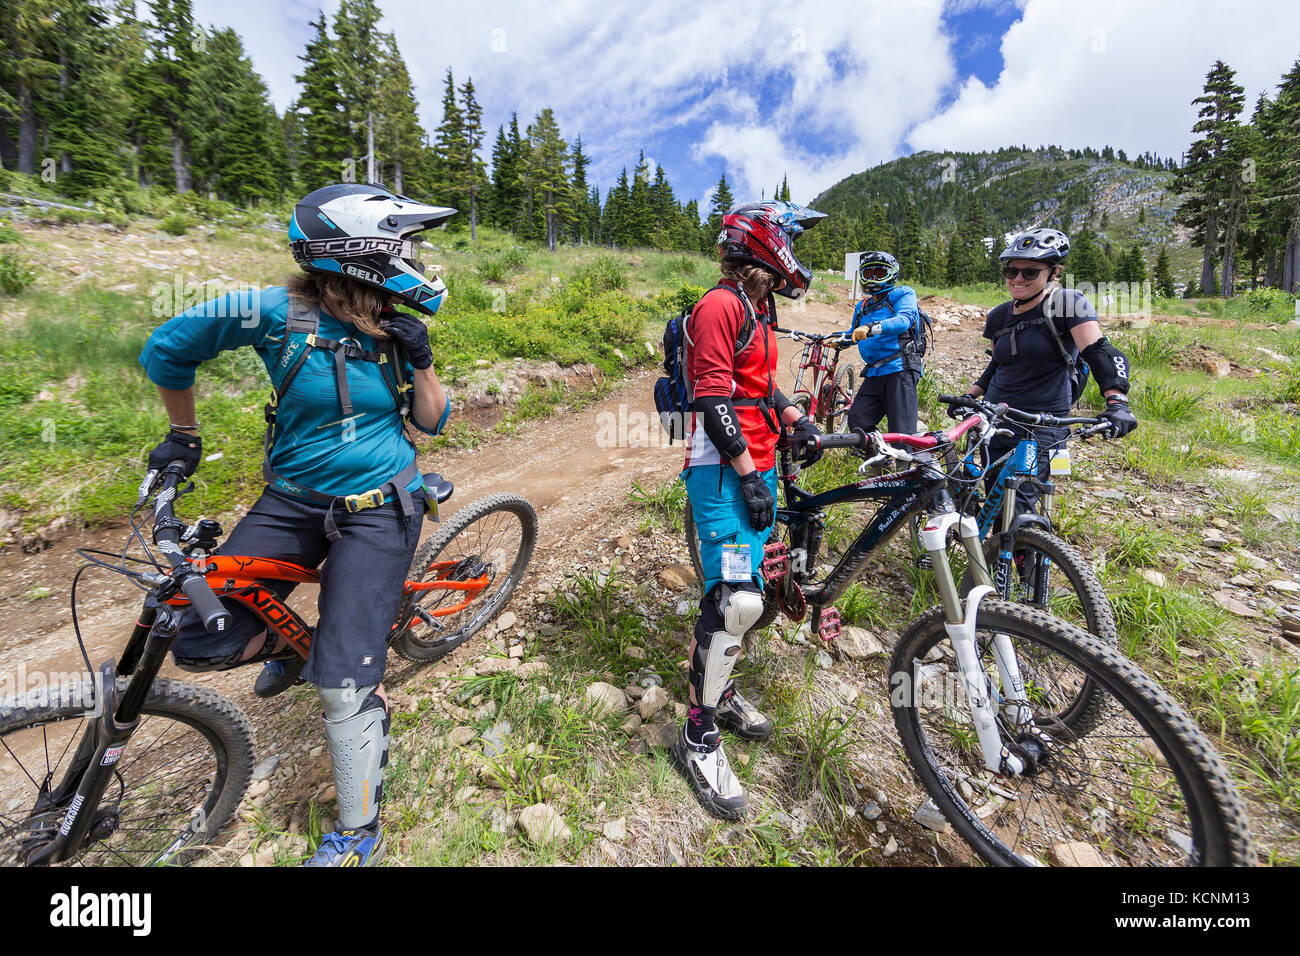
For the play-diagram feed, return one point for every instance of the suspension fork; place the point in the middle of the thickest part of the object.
(959, 621)
(91, 768)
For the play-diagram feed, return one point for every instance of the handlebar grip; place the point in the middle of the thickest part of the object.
(211, 611)
(842, 440)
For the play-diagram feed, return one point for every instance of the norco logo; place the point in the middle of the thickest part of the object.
(366, 275)
(75, 909)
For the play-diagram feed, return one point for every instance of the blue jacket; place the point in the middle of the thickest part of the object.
(895, 311)
(314, 444)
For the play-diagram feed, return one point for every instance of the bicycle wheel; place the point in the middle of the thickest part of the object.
(846, 387)
(188, 762)
(1144, 788)
(1053, 577)
(495, 536)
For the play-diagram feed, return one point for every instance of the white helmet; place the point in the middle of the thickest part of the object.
(366, 233)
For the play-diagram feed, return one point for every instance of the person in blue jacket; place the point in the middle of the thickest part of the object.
(885, 323)
(342, 480)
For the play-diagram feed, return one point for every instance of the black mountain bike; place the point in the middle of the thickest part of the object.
(1039, 743)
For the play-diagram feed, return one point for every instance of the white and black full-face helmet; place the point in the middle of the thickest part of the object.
(367, 233)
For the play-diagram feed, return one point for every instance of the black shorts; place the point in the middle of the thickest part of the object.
(360, 586)
(892, 396)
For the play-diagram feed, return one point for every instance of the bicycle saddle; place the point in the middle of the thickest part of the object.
(438, 486)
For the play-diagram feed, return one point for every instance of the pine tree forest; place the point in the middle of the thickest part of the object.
(112, 98)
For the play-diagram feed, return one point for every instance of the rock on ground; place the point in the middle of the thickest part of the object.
(543, 824)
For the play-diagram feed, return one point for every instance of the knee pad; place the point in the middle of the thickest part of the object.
(356, 731)
(725, 615)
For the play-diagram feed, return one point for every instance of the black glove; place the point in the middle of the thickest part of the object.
(804, 429)
(1117, 413)
(956, 411)
(188, 448)
(411, 334)
(758, 499)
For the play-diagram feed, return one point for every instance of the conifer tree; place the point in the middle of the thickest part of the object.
(1205, 179)
(327, 141)
(548, 172)
(1163, 279)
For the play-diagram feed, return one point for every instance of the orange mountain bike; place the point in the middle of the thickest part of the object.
(138, 769)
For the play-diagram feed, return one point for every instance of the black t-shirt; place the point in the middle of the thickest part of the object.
(1030, 373)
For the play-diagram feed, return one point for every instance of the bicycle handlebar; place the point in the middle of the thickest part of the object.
(1041, 419)
(193, 584)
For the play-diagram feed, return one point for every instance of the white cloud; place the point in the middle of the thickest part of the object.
(856, 81)
(1113, 72)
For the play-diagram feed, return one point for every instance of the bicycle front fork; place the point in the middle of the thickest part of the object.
(959, 620)
(91, 769)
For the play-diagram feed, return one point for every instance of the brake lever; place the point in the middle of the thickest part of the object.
(871, 463)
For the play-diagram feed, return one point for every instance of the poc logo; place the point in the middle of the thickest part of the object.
(727, 422)
(366, 275)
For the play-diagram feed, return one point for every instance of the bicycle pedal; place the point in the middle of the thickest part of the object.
(429, 620)
(828, 628)
(776, 562)
(924, 561)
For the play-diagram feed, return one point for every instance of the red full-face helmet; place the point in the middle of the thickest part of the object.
(763, 233)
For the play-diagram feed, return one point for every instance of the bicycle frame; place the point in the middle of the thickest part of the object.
(815, 356)
(907, 493)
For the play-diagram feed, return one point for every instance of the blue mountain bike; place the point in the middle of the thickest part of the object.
(1029, 563)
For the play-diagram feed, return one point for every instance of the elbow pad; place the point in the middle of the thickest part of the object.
(780, 402)
(1109, 366)
(986, 378)
(722, 425)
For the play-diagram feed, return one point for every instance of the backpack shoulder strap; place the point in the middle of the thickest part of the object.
(302, 319)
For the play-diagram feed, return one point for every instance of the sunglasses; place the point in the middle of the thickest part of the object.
(1010, 272)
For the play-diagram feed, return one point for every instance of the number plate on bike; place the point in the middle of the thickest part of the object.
(1060, 461)
(736, 566)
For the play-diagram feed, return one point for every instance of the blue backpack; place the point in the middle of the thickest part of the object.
(673, 392)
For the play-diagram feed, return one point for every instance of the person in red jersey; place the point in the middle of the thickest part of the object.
(730, 475)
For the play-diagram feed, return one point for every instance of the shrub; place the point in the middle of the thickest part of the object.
(8, 233)
(16, 273)
(177, 224)
(604, 274)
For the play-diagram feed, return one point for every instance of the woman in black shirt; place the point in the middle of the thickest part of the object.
(1037, 338)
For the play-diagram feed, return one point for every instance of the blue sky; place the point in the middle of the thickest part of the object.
(812, 90)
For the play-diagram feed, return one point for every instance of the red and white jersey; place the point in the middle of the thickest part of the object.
(714, 369)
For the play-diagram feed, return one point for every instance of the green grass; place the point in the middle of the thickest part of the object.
(79, 450)
(663, 505)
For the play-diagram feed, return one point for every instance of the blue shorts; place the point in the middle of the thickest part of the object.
(721, 518)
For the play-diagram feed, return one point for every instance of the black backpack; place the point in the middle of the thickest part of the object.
(673, 392)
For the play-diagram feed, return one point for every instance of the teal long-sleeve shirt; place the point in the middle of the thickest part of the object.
(315, 444)
(895, 312)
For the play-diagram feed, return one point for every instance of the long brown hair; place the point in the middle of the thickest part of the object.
(755, 280)
(345, 299)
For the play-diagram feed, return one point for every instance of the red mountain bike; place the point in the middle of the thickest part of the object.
(829, 390)
(137, 769)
